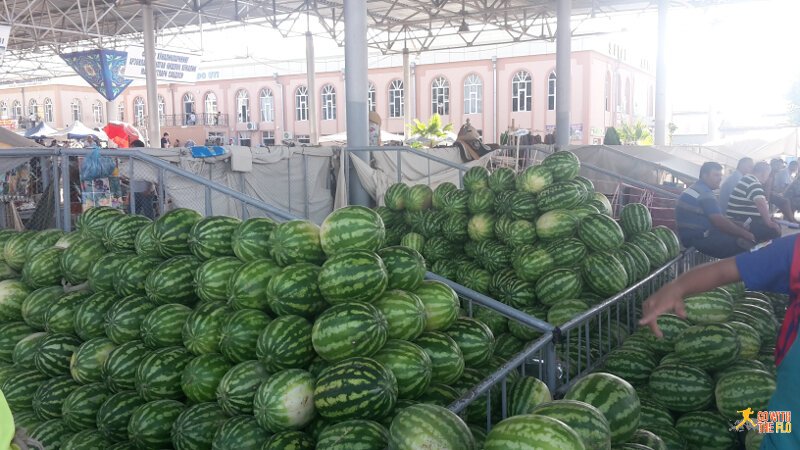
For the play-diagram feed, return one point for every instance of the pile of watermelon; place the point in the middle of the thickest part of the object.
(200, 333)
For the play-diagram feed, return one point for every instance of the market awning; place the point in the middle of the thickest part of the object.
(79, 131)
(42, 130)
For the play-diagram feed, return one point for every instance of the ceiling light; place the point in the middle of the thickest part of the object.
(464, 28)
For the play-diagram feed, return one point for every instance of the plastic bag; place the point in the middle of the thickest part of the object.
(96, 166)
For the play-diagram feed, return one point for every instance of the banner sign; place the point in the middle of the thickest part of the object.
(5, 32)
(170, 66)
(102, 69)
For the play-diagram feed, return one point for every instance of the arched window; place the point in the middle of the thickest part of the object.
(473, 95)
(48, 110)
(16, 109)
(189, 117)
(138, 111)
(608, 92)
(121, 112)
(618, 94)
(628, 108)
(33, 108)
(396, 99)
(211, 109)
(440, 96)
(97, 111)
(551, 92)
(328, 102)
(301, 103)
(267, 105)
(162, 111)
(371, 96)
(521, 92)
(242, 106)
(3, 110)
(76, 110)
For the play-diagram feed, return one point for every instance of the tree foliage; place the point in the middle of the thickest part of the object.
(432, 132)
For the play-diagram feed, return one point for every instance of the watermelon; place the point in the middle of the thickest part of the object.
(145, 242)
(753, 388)
(285, 343)
(653, 247)
(715, 306)
(418, 198)
(532, 431)
(706, 429)
(35, 304)
(601, 202)
(14, 249)
(20, 387)
(440, 395)
(284, 401)
(586, 420)
(531, 264)
(295, 291)
(559, 196)
(349, 329)
(171, 232)
(101, 274)
(50, 434)
(10, 334)
(115, 414)
(239, 433)
(475, 340)
(681, 387)
(353, 434)
(239, 334)
(749, 339)
(502, 179)
(647, 439)
(669, 239)
(413, 240)
(475, 178)
(123, 320)
(353, 275)
(534, 179)
(126, 445)
(50, 395)
(604, 274)
(445, 355)
(600, 233)
(404, 312)
(563, 311)
(248, 285)
(295, 440)
(158, 375)
(54, 352)
(80, 407)
(41, 241)
(212, 278)
(437, 248)
(708, 346)
(506, 345)
(195, 427)
(411, 366)
(172, 281)
(671, 327)
(86, 440)
(525, 393)
(25, 349)
(94, 220)
(753, 440)
(556, 224)
(654, 414)
(429, 426)
(564, 165)
(481, 227)
(455, 202)
(77, 260)
(740, 365)
(238, 386)
(120, 234)
(250, 240)
(119, 369)
(26, 420)
(352, 228)
(355, 388)
(87, 361)
(203, 327)
(612, 396)
(151, 424)
(60, 316)
(202, 375)
(12, 294)
(162, 325)
(481, 201)
(395, 196)
(631, 364)
(296, 241)
(405, 266)
(557, 285)
(211, 237)
(454, 228)
(43, 269)
(635, 218)
(131, 277)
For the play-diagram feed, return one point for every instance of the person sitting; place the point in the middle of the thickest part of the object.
(780, 179)
(700, 221)
(748, 205)
(744, 167)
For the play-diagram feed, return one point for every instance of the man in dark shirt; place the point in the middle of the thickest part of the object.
(748, 205)
(165, 140)
(700, 221)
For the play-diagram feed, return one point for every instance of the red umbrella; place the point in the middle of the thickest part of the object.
(121, 133)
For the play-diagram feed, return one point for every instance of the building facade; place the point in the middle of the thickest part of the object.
(494, 94)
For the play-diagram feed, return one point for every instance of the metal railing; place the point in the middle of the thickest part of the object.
(400, 150)
(186, 120)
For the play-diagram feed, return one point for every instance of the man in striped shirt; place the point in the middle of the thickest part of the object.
(748, 205)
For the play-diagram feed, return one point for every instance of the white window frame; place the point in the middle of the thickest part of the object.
(138, 111)
(521, 92)
(4, 110)
(301, 104)
(551, 91)
(608, 92)
(33, 107)
(328, 102)
(267, 136)
(267, 103)
(97, 111)
(242, 106)
(440, 96)
(162, 111)
(121, 112)
(76, 110)
(16, 109)
(188, 108)
(396, 99)
(245, 136)
(48, 110)
(473, 94)
(371, 97)
(210, 102)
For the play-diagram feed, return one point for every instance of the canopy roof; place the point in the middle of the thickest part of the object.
(41, 130)
(79, 131)
(9, 139)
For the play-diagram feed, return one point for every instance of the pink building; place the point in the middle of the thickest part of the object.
(492, 93)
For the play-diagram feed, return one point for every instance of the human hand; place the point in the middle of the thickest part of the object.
(774, 225)
(750, 236)
(664, 300)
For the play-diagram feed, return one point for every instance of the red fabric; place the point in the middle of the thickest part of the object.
(791, 322)
(121, 132)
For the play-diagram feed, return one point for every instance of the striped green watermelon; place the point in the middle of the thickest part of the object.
(158, 375)
(202, 375)
(353, 275)
(749, 339)
(502, 179)
(612, 396)
(353, 434)
(740, 365)
(429, 426)
(42, 241)
(507, 345)
(409, 363)
(12, 294)
(195, 427)
(115, 414)
(295, 290)
(706, 429)
(418, 198)
(130, 278)
(531, 264)
(654, 414)
(413, 240)
(564, 165)
(250, 240)
(475, 340)
(602, 203)
(248, 285)
(26, 420)
(296, 241)
(54, 353)
(556, 224)
(20, 387)
(395, 196)
(709, 347)
(145, 241)
(445, 354)
(35, 304)
(671, 327)
(671, 438)
(563, 311)
(534, 179)
(284, 401)
(43, 269)
(438, 194)
(405, 266)
(212, 278)
(14, 249)
(25, 349)
(123, 320)
(524, 206)
(454, 228)
(237, 388)
(669, 239)
(239, 433)
(440, 395)
(475, 178)
(583, 210)
(50, 395)
(239, 334)
(77, 260)
(50, 434)
(633, 365)
(532, 431)
(558, 284)
(640, 259)
(752, 388)
(481, 201)
(90, 315)
(437, 248)
(349, 329)
(120, 234)
(521, 232)
(586, 420)
(87, 361)
(151, 424)
(161, 326)
(753, 439)
(525, 393)
(296, 440)
(94, 220)
(60, 316)
(172, 281)
(79, 410)
(119, 370)
(285, 343)
(653, 247)
(455, 202)
(681, 387)
(355, 388)
(559, 196)
(404, 312)
(171, 232)
(635, 218)
(101, 274)
(600, 233)
(481, 227)
(648, 439)
(604, 274)
(203, 327)
(211, 237)
(10, 334)
(715, 306)
(86, 440)
(761, 319)
(352, 228)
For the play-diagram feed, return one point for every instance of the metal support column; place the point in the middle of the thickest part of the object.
(111, 111)
(661, 75)
(355, 59)
(66, 221)
(563, 73)
(151, 81)
(407, 88)
(312, 89)
(494, 100)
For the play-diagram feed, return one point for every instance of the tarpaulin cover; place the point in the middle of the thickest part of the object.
(121, 133)
(79, 131)
(41, 130)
